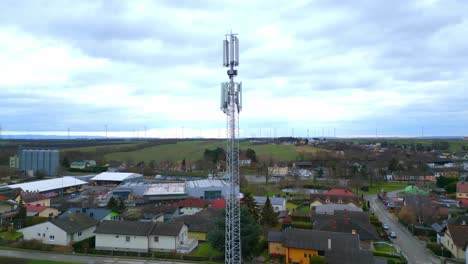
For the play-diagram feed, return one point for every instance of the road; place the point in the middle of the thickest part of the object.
(78, 258)
(413, 249)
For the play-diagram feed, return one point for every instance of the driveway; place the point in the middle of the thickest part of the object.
(413, 249)
(78, 258)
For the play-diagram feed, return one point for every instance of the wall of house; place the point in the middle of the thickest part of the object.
(276, 248)
(165, 243)
(47, 211)
(462, 195)
(45, 202)
(299, 255)
(5, 208)
(119, 242)
(190, 210)
(447, 241)
(87, 233)
(43, 231)
(201, 236)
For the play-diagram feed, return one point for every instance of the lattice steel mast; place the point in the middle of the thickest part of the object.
(231, 105)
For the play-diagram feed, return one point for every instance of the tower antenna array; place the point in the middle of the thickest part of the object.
(231, 105)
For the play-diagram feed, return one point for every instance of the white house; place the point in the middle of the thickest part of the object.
(144, 236)
(62, 232)
(278, 204)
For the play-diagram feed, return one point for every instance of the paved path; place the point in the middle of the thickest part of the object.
(78, 258)
(413, 249)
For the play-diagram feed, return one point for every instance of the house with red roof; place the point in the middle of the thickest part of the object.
(41, 210)
(34, 198)
(191, 205)
(462, 193)
(334, 196)
(219, 203)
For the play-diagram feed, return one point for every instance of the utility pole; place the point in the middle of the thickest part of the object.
(231, 105)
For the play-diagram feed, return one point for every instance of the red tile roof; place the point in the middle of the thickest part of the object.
(459, 235)
(35, 208)
(462, 187)
(464, 202)
(342, 192)
(192, 202)
(29, 198)
(219, 203)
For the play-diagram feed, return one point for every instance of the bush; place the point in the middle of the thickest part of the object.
(302, 225)
(437, 249)
(317, 260)
(84, 245)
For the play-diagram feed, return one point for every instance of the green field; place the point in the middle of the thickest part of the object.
(387, 187)
(385, 248)
(93, 148)
(193, 150)
(8, 236)
(455, 145)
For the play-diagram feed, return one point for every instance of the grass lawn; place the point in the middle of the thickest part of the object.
(304, 208)
(205, 250)
(387, 187)
(385, 248)
(10, 260)
(193, 150)
(11, 236)
(291, 206)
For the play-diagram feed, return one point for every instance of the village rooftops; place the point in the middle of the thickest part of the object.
(192, 202)
(166, 189)
(340, 192)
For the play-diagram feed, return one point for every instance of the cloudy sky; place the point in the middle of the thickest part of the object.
(391, 67)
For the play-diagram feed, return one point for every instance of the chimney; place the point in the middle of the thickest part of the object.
(329, 244)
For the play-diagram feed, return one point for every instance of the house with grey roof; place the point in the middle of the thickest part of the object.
(278, 203)
(62, 232)
(99, 214)
(137, 236)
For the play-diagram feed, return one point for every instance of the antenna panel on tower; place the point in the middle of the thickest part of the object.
(225, 53)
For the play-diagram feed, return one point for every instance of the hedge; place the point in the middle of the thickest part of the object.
(437, 249)
(302, 225)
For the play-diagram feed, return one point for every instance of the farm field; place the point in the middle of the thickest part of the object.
(93, 148)
(193, 150)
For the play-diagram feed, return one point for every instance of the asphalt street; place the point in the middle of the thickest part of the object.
(78, 258)
(413, 249)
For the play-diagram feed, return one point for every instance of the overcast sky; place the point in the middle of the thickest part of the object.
(391, 67)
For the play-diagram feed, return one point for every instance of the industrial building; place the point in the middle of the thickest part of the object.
(208, 189)
(116, 178)
(52, 187)
(165, 192)
(32, 160)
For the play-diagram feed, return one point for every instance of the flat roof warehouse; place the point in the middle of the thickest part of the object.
(49, 185)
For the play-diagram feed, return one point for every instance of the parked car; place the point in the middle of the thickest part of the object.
(392, 234)
(385, 226)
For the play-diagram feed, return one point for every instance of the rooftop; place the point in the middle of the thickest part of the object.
(49, 185)
(341, 192)
(166, 189)
(273, 200)
(202, 221)
(137, 228)
(206, 183)
(95, 213)
(74, 223)
(115, 176)
(459, 235)
(462, 187)
(35, 208)
(192, 202)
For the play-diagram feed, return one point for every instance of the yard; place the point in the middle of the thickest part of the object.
(205, 250)
(9, 236)
(386, 187)
(384, 247)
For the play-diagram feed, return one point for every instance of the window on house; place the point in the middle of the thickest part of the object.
(116, 236)
(79, 233)
(305, 255)
(38, 234)
(339, 201)
(43, 234)
(51, 214)
(51, 238)
(127, 239)
(156, 238)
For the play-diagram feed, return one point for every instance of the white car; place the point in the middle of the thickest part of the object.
(385, 226)
(392, 234)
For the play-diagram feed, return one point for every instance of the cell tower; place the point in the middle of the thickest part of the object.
(231, 105)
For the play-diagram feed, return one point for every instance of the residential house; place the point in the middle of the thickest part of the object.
(191, 205)
(34, 198)
(144, 236)
(298, 245)
(278, 171)
(348, 222)
(334, 196)
(462, 193)
(8, 208)
(200, 223)
(151, 211)
(41, 211)
(245, 162)
(62, 232)
(332, 207)
(455, 236)
(278, 203)
(99, 214)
